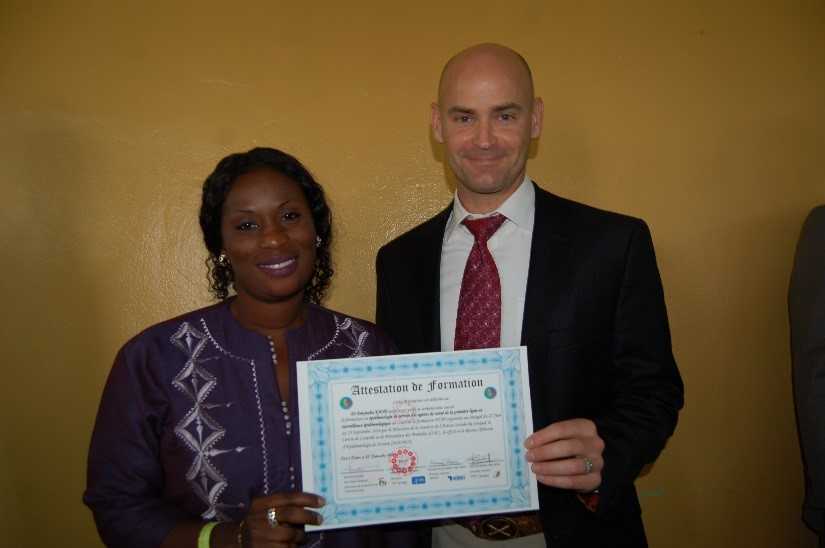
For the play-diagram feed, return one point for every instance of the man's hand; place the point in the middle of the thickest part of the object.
(560, 454)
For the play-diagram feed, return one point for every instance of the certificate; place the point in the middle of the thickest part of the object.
(416, 436)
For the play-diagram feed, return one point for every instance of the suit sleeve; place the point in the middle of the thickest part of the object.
(806, 307)
(647, 390)
(124, 484)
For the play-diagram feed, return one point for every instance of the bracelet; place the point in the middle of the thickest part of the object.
(206, 534)
(241, 527)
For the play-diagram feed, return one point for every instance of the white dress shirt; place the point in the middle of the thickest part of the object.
(510, 248)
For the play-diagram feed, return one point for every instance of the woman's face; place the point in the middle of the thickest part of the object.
(268, 236)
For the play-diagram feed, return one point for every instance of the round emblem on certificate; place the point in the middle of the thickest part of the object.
(490, 392)
(403, 461)
(346, 402)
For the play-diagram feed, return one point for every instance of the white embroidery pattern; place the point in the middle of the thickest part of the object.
(251, 363)
(198, 429)
(201, 432)
(353, 337)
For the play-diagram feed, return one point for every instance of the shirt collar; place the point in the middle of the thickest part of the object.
(518, 208)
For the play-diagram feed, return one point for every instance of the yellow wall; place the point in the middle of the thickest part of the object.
(707, 121)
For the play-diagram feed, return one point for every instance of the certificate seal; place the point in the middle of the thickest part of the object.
(403, 461)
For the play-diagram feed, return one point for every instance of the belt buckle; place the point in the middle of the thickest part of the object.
(499, 528)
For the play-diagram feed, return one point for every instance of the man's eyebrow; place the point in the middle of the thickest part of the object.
(498, 108)
(460, 110)
(508, 106)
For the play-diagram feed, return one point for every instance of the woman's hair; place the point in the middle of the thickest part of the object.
(217, 187)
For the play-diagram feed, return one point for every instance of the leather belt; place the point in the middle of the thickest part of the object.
(503, 527)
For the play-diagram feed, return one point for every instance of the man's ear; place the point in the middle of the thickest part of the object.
(435, 122)
(537, 118)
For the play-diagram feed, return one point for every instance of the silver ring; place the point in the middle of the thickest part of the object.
(588, 465)
(272, 517)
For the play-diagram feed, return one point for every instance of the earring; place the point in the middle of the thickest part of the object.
(222, 259)
(318, 241)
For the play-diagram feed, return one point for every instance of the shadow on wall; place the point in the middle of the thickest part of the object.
(437, 150)
(55, 323)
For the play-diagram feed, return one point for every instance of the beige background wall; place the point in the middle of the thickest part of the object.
(707, 121)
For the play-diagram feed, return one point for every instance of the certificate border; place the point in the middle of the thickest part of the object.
(318, 375)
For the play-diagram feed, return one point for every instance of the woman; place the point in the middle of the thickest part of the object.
(198, 420)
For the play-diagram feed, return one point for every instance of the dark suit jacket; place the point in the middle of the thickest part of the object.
(598, 345)
(806, 305)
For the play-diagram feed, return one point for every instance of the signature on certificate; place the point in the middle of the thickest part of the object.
(486, 459)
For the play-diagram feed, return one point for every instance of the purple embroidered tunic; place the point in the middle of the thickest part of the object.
(191, 426)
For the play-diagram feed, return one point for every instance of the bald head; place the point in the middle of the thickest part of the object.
(486, 56)
(486, 116)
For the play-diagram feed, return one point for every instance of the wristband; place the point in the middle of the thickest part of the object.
(206, 534)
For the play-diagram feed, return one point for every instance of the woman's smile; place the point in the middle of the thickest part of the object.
(280, 266)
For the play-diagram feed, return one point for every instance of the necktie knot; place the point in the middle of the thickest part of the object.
(483, 228)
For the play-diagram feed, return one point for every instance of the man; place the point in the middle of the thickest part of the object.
(578, 286)
(806, 306)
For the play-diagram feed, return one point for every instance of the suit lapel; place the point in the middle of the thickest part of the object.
(549, 269)
(429, 270)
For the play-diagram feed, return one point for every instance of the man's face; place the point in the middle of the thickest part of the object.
(486, 117)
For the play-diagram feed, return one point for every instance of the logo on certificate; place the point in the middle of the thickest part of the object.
(490, 392)
(346, 402)
(403, 461)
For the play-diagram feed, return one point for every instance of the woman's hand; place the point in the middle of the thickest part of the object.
(257, 532)
(290, 515)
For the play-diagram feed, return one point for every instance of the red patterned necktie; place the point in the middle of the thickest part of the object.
(478, 325)
(478, 322)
